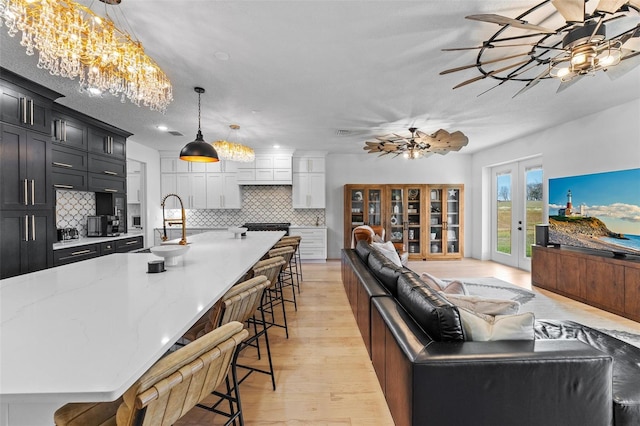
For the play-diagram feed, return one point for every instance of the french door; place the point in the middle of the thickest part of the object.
(517, 207)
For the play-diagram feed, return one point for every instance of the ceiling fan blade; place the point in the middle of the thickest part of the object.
(533, 82)
(488, 46)
(503, 20)
(566, 84)
(489, 74)
(610, 6)
(571, 10)
(634, 3)
(465, 67)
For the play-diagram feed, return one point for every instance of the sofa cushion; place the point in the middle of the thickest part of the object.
(453, 287)
(438, 317)
(385, 270)
(485, 328)
(389, 251)
(484, 305)
(363, 249)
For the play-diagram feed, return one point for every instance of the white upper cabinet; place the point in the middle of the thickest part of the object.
(267, 169)
(308, 164)
(308, 182)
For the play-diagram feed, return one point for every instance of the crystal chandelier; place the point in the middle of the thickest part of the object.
(234, 151)
(72, 41)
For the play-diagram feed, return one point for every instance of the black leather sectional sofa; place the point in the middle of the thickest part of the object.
(569, 375)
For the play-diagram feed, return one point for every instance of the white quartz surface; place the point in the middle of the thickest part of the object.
(86, 331)
(94, 240)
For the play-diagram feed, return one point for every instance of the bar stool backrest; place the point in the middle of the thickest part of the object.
(270, 268)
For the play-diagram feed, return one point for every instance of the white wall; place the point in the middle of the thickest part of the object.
(370, 169)
(606, 141)
(151, 159)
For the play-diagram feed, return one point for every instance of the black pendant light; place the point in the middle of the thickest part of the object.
(199, 151)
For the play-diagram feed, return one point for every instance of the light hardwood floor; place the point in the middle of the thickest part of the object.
(323, 372)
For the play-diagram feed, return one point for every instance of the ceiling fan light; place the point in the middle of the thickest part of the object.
(609, 57)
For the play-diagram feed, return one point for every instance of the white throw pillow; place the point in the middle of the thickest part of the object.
(389, 251)
(484, 305)
(484, 328)
(453, 287)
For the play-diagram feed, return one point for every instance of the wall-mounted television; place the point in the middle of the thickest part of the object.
(599, 211)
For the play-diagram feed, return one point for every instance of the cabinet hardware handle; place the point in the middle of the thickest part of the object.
(23, 101)
(108, 172)
(59, 185)
(33, 192)
(77, 253)
(55, 163)
(26, 193)
(26, 228)
(56, 129)
(33, 227)
(31, 111)
(110, 190)
(132, 242)
(64, 130)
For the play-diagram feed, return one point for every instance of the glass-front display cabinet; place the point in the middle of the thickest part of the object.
(363, 206)
(446, 228)
(405, 225)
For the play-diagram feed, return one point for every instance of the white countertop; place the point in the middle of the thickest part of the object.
(86, 331)
(94, 240)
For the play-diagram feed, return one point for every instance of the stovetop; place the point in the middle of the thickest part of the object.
(267, 226)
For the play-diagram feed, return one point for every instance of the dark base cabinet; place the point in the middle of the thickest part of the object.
(26, 241)
(128, 244)
(75, 254)
(88, 251)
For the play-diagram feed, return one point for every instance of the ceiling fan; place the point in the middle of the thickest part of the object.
(578, 46)
(418, 145)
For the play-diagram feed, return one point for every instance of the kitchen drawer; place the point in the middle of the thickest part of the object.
(68, 158)
(128, 244)
(75, 254)
(104, 183)
(70, 179)
(110, 166)
(107, 248)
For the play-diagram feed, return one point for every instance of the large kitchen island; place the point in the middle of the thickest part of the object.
(86, 331)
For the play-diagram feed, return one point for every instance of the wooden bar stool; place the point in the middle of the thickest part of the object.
(170, 388)
(286, 275)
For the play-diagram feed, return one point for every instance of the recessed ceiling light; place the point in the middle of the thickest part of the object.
(163, 128)
(223, 56)
(276, 146)
(94, 91)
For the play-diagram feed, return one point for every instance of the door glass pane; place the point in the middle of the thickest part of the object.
(453, 220)
(413, 216)
(357, 207)
(533, 206)
(396, 220)
(503, 202)
(375, 217)
(435, 221)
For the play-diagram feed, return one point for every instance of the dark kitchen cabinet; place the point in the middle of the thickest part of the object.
(75, 254)
(126, 245)
(67, 130)
(71, 180)
(104, 142)
(27, 238)
(25, 108)
(25, 177)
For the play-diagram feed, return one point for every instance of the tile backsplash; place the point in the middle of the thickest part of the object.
(260, 203)
(72, 209)
(269, 203)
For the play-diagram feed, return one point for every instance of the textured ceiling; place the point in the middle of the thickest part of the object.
(299, 71)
